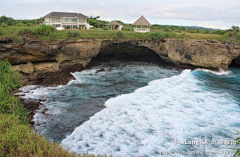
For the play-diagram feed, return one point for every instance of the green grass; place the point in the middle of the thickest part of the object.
(237, 145)
(16, 136)
(26, 31)
(19, 140)
(47, 33)
(200, 36)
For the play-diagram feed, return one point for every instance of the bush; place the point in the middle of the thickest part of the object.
(45, 30)
(20, 24)
(18, 39)
(170, 35)
(237, 144)
(238, 36)
(50, 37)
(1, 33)
(4, 25)
(9, 77)
(206, 31)
(25, 31)
(157, 36)
(118, 35)
(73, 34)
(9, 83)
(9, 104)
(127, 28)
(105, 28)
(219, 32)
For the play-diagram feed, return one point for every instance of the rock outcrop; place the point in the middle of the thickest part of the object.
(38, 56)
(198, 53)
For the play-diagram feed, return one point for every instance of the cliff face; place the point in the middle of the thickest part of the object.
(198, 53)
(35, 56)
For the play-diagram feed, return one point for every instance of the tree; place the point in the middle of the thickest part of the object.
(235, 30)
(8, 20)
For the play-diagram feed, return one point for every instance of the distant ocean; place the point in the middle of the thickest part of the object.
(142, 109)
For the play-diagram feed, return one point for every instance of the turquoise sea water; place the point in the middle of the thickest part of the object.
(141, 109)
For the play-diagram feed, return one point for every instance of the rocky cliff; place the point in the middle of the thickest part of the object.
(34, 55)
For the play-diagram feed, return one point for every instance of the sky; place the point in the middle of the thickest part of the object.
(220, 14)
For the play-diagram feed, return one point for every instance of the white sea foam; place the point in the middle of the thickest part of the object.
(35, 92)
(151, 118)
(219, 72)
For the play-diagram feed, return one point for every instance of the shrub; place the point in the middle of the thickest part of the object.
(206, 31)
(237, 144)
(9, 104)
(25, 31)
(9, 83)
(127, 28)
(219, 32)
(4, 25)
(9, 77)
(105, 28)
(45, 30)
(1, 33)
(18, 39)
(50, 37)
(238, 36)
(20, 24)
(73, 34)
(118, 35)
(157, 36)
(170, 34)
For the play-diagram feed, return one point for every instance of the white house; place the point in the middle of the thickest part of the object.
(63, 20)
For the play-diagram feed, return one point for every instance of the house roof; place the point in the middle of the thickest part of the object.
(114, 23)
(142, 22)
(65, 14)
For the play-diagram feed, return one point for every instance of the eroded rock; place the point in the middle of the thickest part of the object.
(67, 53)
(47, 66)
(25, 68)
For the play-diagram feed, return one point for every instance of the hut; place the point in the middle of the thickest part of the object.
(114, 25)
(142, 25)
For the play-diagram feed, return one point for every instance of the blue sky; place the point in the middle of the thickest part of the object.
(206, 13)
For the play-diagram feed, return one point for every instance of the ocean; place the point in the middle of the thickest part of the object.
(142, 109)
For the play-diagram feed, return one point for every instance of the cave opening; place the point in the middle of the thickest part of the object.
(235, 63)
(123, 52)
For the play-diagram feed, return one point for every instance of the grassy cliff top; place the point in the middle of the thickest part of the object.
(48, 33)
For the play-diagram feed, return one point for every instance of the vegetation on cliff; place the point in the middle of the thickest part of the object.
(49, 34)
(16, 136)
(18, 29)
(8, 21)
(237, 145)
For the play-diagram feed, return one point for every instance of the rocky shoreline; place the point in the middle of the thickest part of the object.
(45, 79)
(51, 63)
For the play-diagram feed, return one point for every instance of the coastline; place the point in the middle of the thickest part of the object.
(44, 79)
(50, 63)
(62, 77)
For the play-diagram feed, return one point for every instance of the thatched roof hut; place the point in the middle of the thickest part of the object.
(143, 23)
(114, 25)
